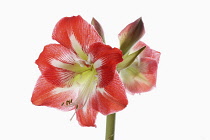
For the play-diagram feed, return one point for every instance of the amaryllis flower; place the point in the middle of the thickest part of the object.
(138, 71)
(141, 75)
(79, 73)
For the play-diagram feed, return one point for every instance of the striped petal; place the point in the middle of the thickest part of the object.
(138, 79)
(148, 65)
(105, 60)
(70, 28)
(110, 99)
(46, 94)
(59, 64)
(86, 116)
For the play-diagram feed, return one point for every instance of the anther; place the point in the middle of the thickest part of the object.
(77, 106)
(68, 102)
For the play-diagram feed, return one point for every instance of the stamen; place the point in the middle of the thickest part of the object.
(72, 116)
(77, 106)
(74, 112)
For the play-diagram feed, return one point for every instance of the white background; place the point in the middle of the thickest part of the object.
(178, 109)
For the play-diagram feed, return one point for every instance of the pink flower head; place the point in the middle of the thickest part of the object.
(79, 73)
(141, 75)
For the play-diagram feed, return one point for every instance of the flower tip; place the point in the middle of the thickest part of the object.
(87, 124)
(93, 20)
(35, 101)
(92, 125)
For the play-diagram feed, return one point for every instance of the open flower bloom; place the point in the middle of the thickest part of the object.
(141, 75)
(79, 73)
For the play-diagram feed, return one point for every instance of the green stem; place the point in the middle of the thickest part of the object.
(110, 126)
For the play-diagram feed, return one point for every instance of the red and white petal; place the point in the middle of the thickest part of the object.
(86, 116)
(139, 85)
(57, 64)
(147, 52)
(110, 99)
(69, 29)
(148, 65)
(138, 82)
(156, 55)
(105, 60)
(46, 94)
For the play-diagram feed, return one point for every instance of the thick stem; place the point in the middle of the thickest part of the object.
(110, 126)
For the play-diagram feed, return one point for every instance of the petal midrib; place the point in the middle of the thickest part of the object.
(77, 68)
